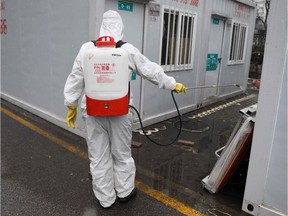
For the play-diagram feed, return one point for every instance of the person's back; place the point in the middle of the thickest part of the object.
(109, 137)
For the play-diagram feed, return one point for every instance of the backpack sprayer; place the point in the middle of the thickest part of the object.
(106, 66)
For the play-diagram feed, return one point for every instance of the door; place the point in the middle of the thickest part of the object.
(133, 19)
(214, 56)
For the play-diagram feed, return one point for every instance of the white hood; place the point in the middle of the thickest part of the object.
(112, 25)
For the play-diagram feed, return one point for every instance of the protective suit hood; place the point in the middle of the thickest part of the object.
(112, 25)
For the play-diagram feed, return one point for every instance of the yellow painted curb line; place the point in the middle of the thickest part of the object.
(175, 204)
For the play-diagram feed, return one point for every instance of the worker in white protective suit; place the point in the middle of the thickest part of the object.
(109, 137)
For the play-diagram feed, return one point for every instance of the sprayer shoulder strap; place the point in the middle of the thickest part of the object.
(94, 42)
(118, 44)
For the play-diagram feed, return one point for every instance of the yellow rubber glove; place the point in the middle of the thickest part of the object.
(71, 116)
(180, 88)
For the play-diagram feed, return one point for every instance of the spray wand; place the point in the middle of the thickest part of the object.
(214, 86)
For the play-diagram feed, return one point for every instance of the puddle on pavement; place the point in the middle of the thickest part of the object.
(181, 163)
(177, 170)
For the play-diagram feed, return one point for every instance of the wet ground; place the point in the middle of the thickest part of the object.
(44, 168)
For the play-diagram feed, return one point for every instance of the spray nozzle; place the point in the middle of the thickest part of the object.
(236, 85)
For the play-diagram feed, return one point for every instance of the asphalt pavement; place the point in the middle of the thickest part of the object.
(45, 169)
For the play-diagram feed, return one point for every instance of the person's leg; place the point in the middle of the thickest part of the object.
(124, 166)
(101, 165)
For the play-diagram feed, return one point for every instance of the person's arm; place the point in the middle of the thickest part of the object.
(74, 85)
(147, 69)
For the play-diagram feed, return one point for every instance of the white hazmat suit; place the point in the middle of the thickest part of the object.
(109, 138)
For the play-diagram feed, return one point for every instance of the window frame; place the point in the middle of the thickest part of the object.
(174, 63)
(236, 50)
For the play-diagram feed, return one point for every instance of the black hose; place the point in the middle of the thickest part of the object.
(180, 120)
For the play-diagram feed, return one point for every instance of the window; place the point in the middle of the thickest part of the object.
(238, 43)
(177, 39)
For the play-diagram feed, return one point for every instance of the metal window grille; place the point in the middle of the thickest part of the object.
(238, 43)
(177, 39)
